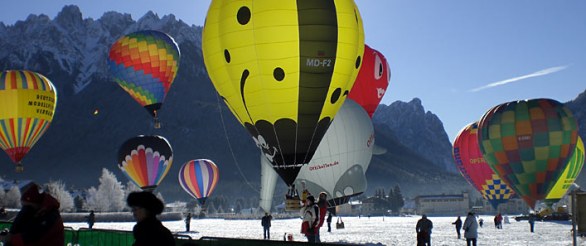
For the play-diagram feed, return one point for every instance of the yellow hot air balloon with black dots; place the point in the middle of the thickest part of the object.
(284, 68)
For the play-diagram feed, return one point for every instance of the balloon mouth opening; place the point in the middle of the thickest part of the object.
(149, 188)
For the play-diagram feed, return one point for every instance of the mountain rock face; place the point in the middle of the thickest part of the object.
(420, 131)
(95, 116)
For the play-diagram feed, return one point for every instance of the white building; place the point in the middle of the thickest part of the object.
(443, 204)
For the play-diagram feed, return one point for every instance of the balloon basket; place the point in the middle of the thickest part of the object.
(19, 168)
(293, 204)
(339, 224)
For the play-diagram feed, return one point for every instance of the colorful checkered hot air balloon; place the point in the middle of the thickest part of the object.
(145, 160)
(199, 178)
(145, 64)
(569, 175)
(528, 143)
(475, 170)
(27, 106)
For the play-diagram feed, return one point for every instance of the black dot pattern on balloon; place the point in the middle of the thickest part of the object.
(243, 15)
(358, 60)
(279, 74)
(227, 56)
(335, 95)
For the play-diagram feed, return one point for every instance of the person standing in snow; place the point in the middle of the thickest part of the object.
(458, 224)
(423, 229)
(470, 229)
(310, 215)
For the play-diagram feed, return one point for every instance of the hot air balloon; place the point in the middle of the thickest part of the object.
(342, 158)
(145, 160)
(199, 178)
(475, 170)
(144, 64)
(569, 175)
(528, 143)
(284, 68)
(372, 81)
(27, 106)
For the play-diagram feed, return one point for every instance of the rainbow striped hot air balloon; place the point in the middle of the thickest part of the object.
(27, 106)
(145, 160)
(528, 143)
(199, 178)
(145, 64)
(569, 175)
(475, 170)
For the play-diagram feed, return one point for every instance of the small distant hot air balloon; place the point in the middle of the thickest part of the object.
(372, 81)
(569, 175)
(144, 64)
(284, 68)
(475, 170)
(199, 178)
(27, 106)
(528, 143)
(145, 160)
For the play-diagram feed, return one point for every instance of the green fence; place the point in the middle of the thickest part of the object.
(100, 237)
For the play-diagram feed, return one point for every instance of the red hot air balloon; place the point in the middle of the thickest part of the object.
(372, 80)
(199, 178)
(475, 170)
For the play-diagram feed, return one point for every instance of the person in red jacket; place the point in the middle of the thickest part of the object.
(322, 203)
(38, 222)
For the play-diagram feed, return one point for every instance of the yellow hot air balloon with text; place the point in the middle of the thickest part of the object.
(284, 68)
(27, 106)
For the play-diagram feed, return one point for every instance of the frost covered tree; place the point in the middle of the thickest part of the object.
(12, 197)
(109, 196)
(130, 187)
(57, 190)
(2, 195)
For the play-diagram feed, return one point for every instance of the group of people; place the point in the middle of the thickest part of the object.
(470, 226)
(39, 221)
(313, 214)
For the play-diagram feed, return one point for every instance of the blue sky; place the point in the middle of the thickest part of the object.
(460, 57)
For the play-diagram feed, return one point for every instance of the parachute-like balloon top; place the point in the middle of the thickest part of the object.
(284, 68)
(199, 178)
(27, 105)
(528, 143)
(145, 160)
(372, 81)
(476, 171)
(144, 64)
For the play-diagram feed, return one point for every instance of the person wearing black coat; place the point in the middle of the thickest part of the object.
(423, 228)
(148, 229)
(458, 224)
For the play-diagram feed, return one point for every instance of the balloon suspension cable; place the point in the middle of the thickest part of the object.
(19, 167)
(230, 147)
(157, 122)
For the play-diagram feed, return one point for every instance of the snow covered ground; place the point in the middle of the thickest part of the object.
(374, 231)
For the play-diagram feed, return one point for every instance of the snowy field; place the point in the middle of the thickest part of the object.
(374, 231)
